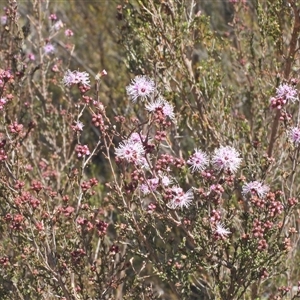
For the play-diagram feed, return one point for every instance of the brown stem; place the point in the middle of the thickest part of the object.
(273, 133)
(294, 40)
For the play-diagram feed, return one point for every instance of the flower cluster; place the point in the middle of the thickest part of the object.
(225, 158)
(3, 101)
(284, 94)
(160, 104)
(69, 32)
(149, 186)
(135, 150)
(76, 77)
(131, 152)
(180, 198)
(15, 128)
(5, 76)
(256, 188)
(287, 92)
(82, 150)
(142, 87)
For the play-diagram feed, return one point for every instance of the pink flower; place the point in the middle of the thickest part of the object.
(83, 78)
(49, 49)
(287, 92)
(149, 186)
(3, 20)
(28, 168)
(221, 231)
(82, 150)
(143, 163)
(180, 198)
(294, 134)
(69, 32)
(256, 188)
(58, 25)
(142, 87)
(136, 138)
(2, 103)
(130, 152)
(78, 126)
(15, 128)
(154, 104)
(198, 161)
(226, 158)
(55, 68)
(168, 110)
(76, 77)
(284, 93)
(3, 155)
(31, 56)
(162, 104)
(100, 74)
(52, 17)
(165, 180)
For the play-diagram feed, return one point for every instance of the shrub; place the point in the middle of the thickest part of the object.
(185, 186)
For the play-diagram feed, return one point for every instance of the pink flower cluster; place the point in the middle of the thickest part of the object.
(3, 101)
(180, 198)
(284, 94)
(142, 87)
(219, 229)
(149, 186)
(160, 104)
(15, 128)
(76, 77)
(270, 202)
(255, 188)
(225, 158)
(5, 76)
(69, 32)
(82, 150)
(131, 151)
